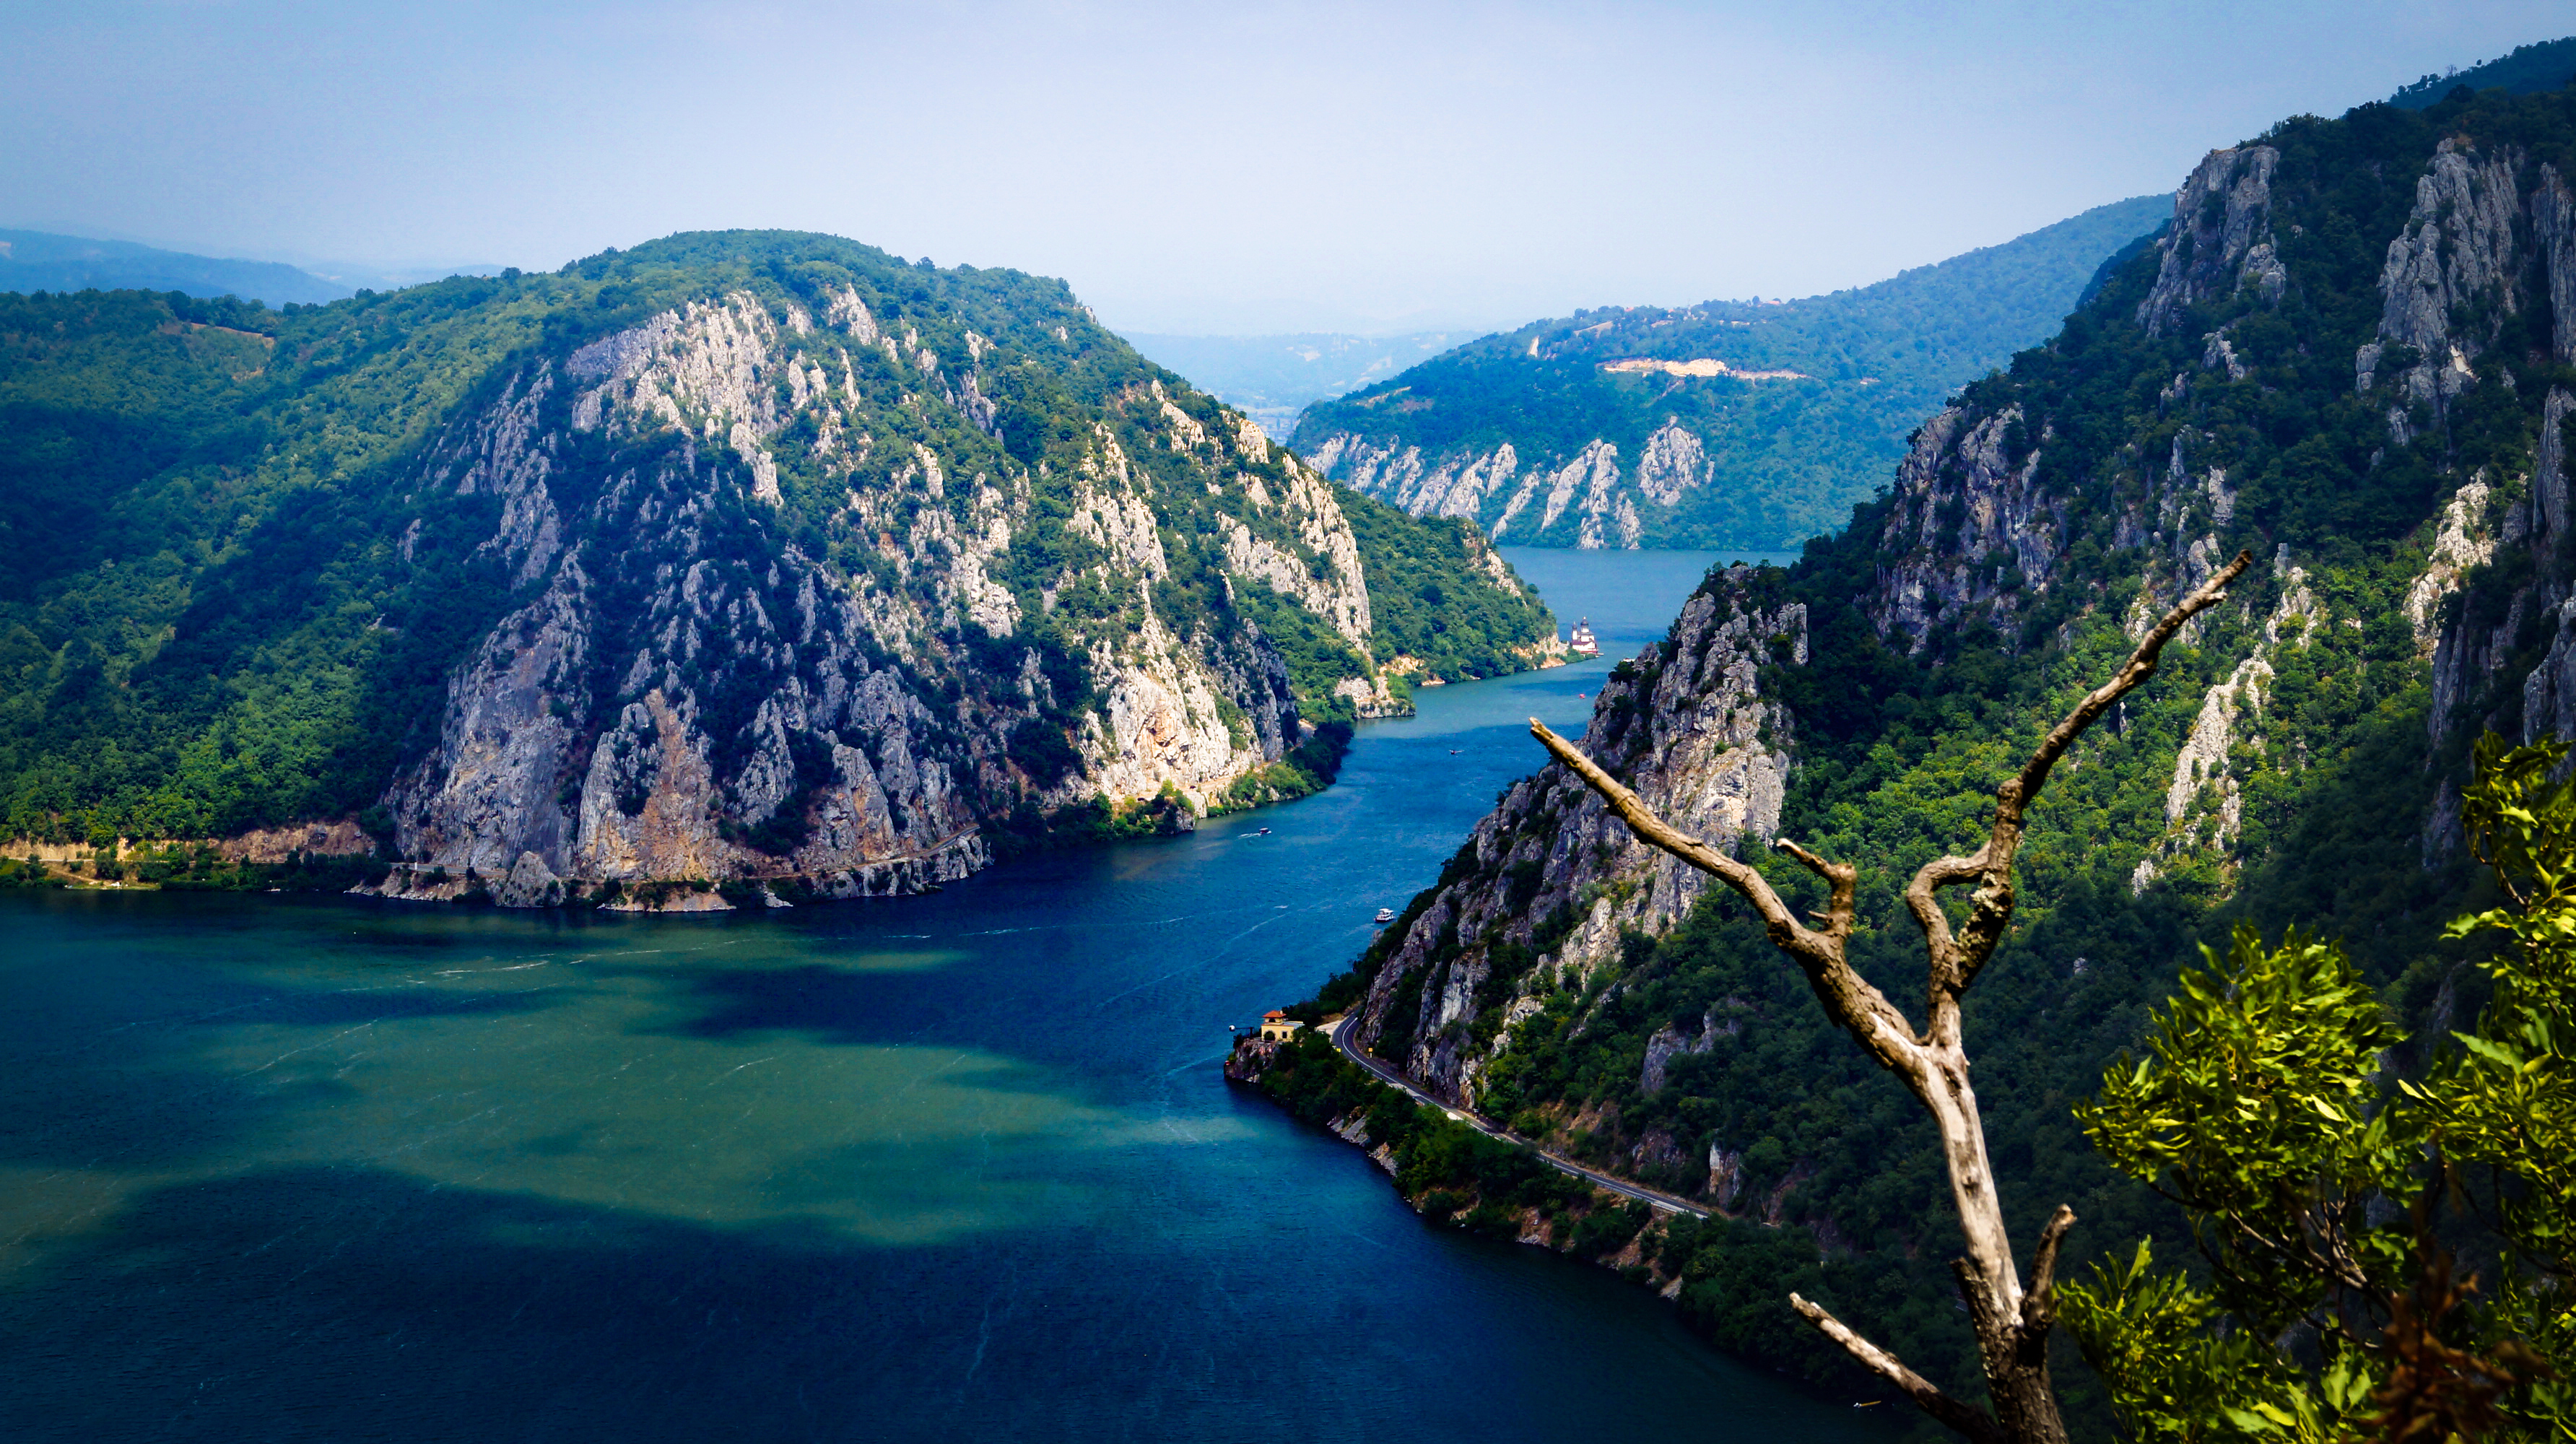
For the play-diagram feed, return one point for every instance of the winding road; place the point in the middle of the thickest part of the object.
(1340, 1033)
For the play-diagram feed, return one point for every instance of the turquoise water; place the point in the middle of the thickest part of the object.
(959, 1167)
(1630, 597)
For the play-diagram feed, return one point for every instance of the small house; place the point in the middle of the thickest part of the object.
(1278, 1027)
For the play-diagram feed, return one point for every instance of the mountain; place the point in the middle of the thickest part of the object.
(1273, 378)
(2351, 351)
(2530, 70)
(32, 261)
(1739, 424)
(749, 562)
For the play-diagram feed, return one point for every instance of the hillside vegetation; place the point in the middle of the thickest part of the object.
(1533, 435)
(919, 550)
(2353, 354)
(2530, 70)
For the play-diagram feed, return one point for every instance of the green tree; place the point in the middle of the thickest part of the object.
(2327, 1311)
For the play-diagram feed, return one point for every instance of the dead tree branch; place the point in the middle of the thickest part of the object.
(1968, 1419)
(2012, 1326)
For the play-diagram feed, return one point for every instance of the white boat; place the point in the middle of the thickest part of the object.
(1580, 642)
(1386, 915)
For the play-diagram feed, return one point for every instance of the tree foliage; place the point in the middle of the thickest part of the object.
(2314, 1190)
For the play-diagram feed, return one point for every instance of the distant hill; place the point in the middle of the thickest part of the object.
(1272, 378)
(2529, 70)
(1745, 424)
(32, 261)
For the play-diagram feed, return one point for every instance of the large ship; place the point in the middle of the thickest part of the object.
(1580, 641)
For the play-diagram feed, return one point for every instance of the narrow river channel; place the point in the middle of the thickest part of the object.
(951, 1168)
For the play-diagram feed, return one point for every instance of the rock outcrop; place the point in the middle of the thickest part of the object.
(700, 689)
(1553, 878)
(2220, 238)
(2022, 527)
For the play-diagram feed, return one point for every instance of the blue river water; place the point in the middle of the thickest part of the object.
(959, 1167)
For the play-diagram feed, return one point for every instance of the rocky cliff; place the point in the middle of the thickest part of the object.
(777, 568)
(1549, 881)
(2350, 351)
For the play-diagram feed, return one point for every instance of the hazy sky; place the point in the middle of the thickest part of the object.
(1193, 168)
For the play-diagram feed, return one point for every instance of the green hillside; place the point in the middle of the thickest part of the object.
(1771, 461)
(2398, 469)
(238, 574)
(2530, 70)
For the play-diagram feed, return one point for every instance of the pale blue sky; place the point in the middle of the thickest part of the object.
(1190, 168)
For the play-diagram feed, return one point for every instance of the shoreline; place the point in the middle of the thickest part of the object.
(1451, 1172)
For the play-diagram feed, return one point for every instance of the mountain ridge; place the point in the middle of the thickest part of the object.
(2353, 352)
(742, 561)
(1739, 424)
(33, 261)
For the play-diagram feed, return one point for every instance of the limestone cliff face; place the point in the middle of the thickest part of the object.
(2023, 522)
(1969, 527)
(2457, 272)
(1551, 870)
(1597, 494)
(2220, 240)
(696, 686)
(2491, 237)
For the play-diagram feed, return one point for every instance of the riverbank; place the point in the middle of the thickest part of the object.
(1446, 1169)
(1717, 1271)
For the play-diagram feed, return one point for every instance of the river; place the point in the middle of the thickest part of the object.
(959, 1167)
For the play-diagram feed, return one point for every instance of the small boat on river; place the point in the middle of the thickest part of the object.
(1385, 915)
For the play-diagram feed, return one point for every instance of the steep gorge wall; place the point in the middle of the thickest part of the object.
(1542, 890)
(2409, 505)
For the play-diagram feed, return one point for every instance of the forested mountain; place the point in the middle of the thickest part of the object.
(1731, 424)
(1273, 378)
(2530, 70)
(32, 261)
(750, 558)
(2352, 352)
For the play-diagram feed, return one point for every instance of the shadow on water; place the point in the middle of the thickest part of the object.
(303, 1304)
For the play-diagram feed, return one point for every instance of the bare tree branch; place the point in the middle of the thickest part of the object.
(2039, 1306)
(1838, 876)
(1849, 999)
(1968, 1419)
(1955, 961)
(2012, 1327)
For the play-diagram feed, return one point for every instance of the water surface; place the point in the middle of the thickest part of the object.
(959, 1167)
(1629, 597)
